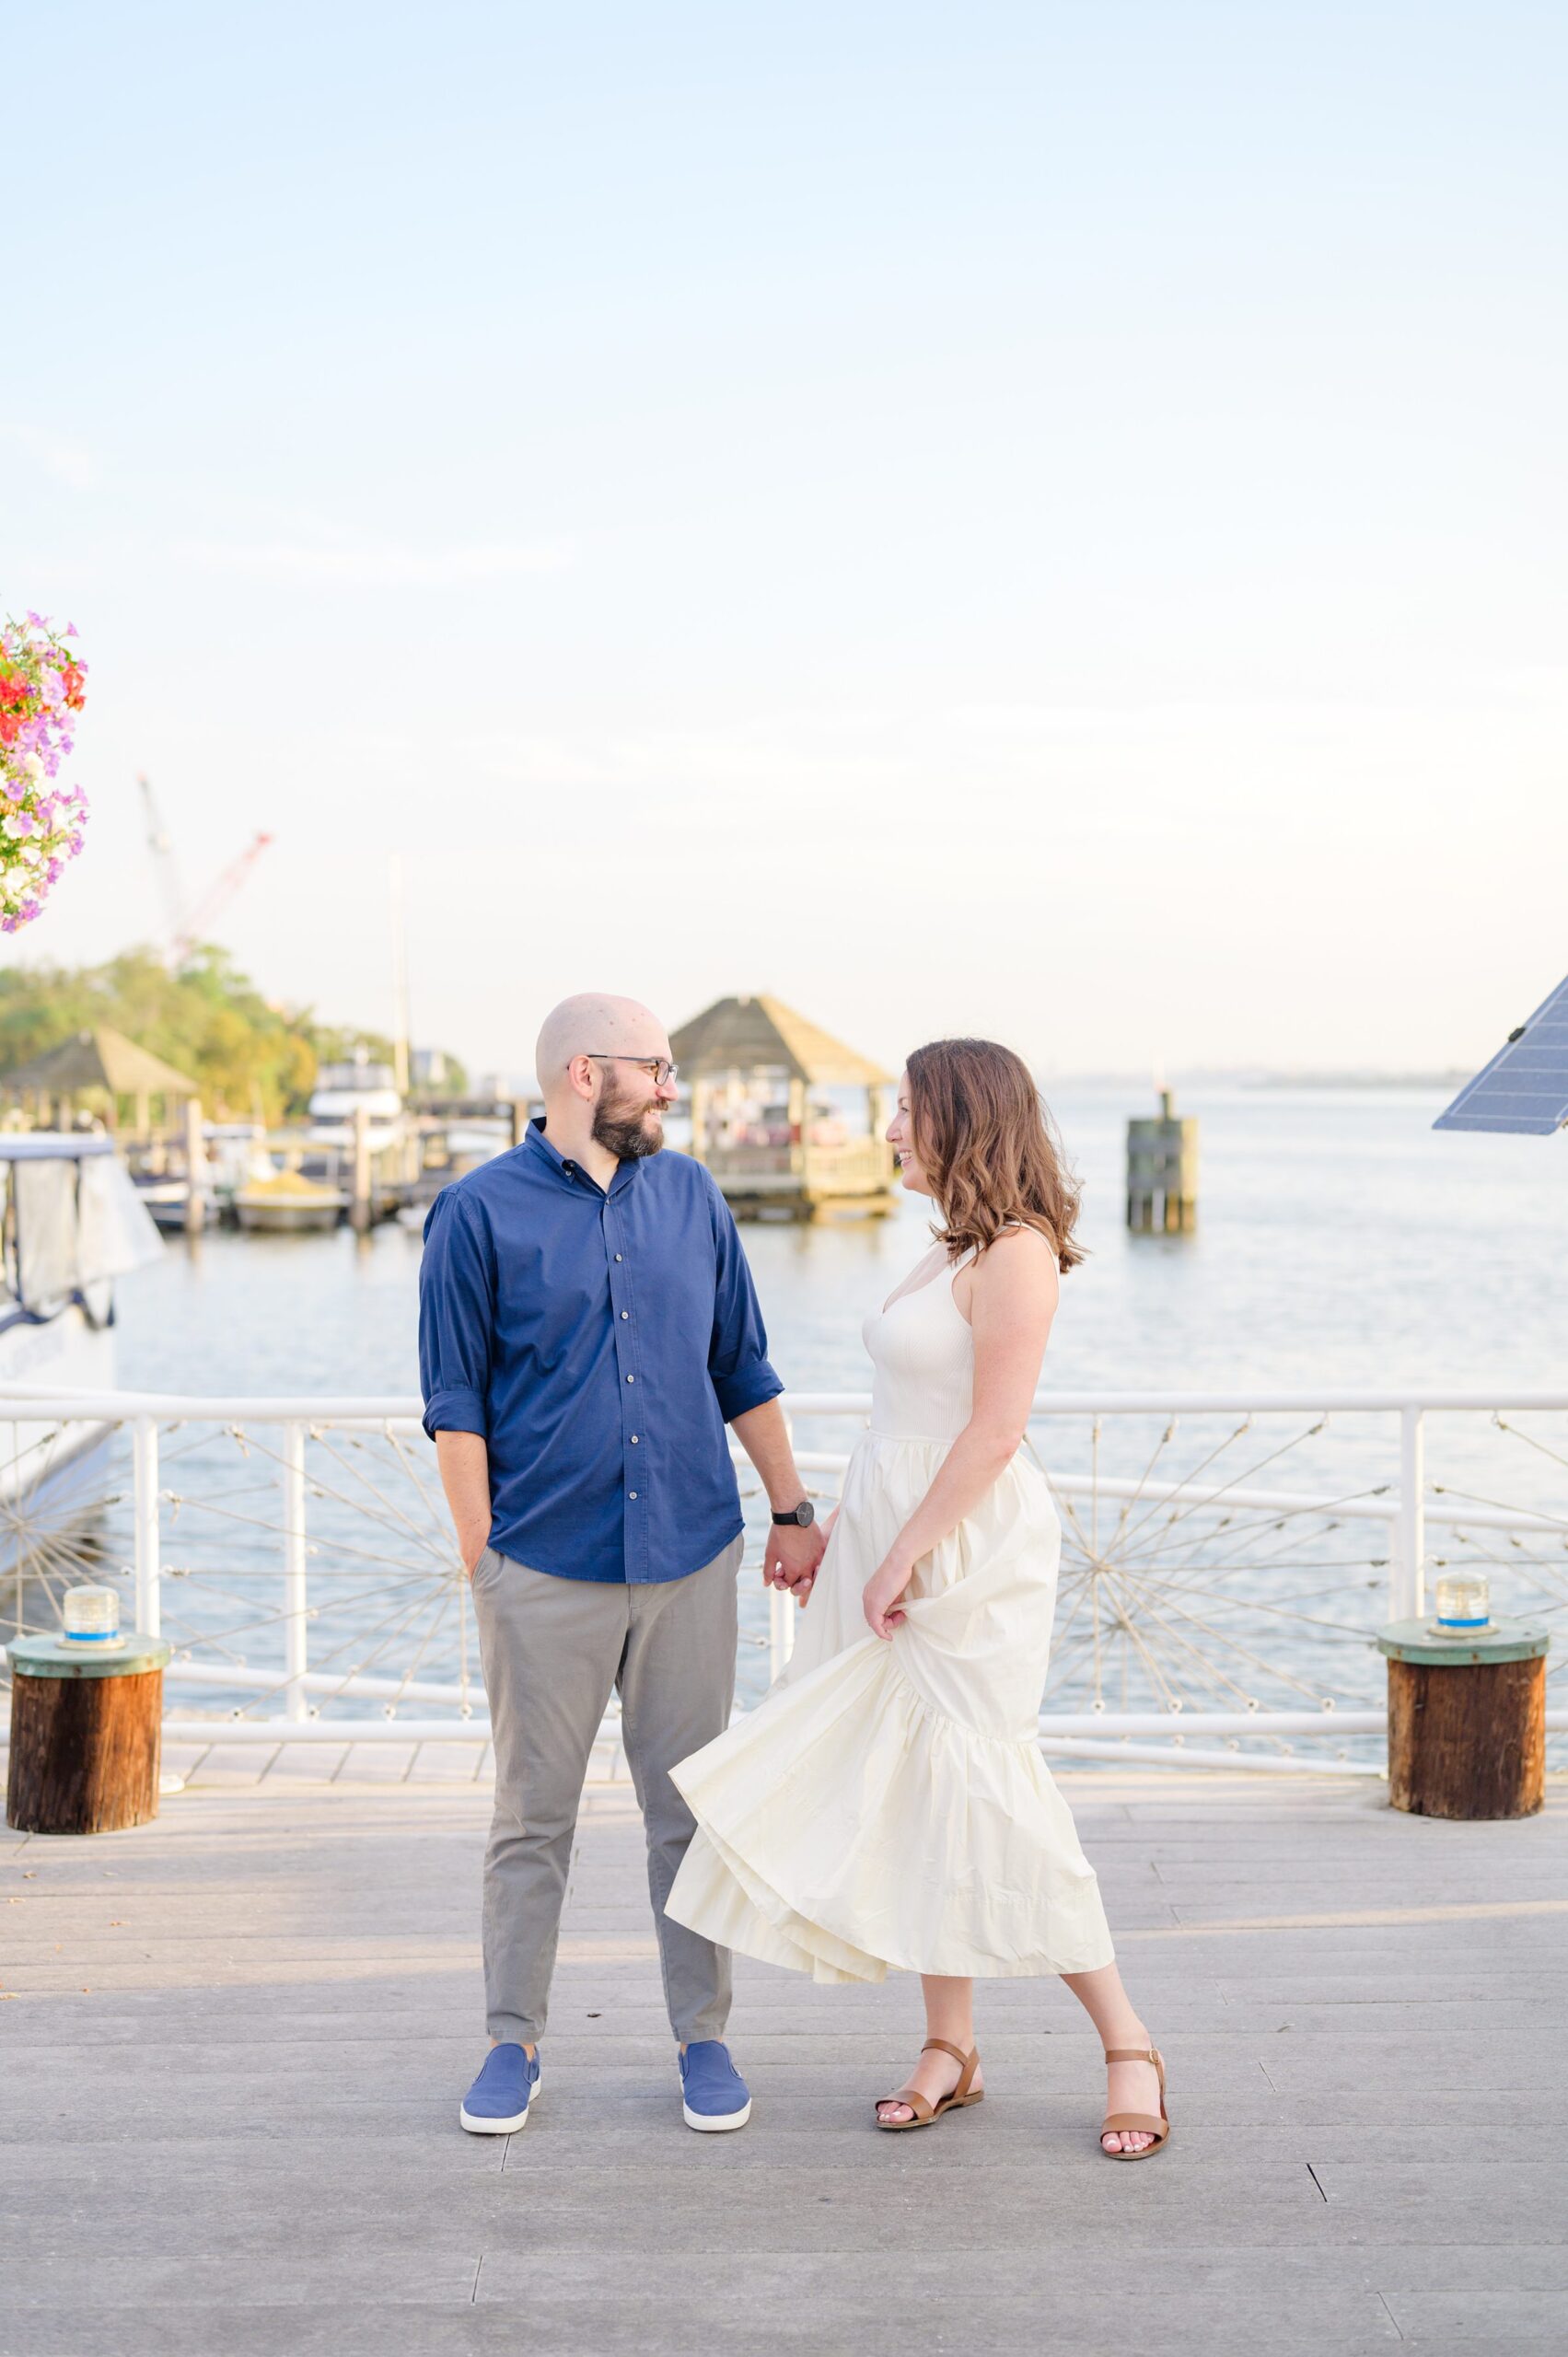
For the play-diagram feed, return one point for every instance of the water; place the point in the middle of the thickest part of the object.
(1340, 1245)
(1340, 1241)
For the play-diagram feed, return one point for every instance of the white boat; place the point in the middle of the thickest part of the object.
(73, 1222)
(339, 1093)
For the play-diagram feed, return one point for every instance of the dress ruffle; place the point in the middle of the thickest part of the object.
(887, 1804)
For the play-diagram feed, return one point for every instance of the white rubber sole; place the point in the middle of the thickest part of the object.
(710, 2123)
(500, 2127)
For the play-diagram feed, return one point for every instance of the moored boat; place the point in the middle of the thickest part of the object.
(288, 1204)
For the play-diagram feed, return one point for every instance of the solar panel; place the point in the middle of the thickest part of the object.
(1525, 1087)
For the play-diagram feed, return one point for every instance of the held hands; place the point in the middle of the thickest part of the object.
(792, 1557)
(881, 1593)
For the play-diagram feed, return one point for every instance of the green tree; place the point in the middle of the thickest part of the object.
(251, 1057)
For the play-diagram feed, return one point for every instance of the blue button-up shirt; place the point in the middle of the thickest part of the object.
(600, 1342)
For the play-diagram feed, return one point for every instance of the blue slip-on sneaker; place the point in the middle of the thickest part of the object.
(497, 2103)
(713, 2095)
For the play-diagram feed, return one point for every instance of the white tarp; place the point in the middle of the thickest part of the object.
(117, 1233)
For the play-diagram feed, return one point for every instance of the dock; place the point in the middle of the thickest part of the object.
(233, 2044)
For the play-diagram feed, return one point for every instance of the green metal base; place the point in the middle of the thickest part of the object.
(1419, 1641)
(53, 1657)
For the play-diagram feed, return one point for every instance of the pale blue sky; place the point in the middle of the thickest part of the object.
(1045, 519)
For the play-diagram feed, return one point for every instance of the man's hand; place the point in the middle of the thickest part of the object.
(471, 1545)
(791, 1559)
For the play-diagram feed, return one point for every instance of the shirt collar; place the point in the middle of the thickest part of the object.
(572, 1173)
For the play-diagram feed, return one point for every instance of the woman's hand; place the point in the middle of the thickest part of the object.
(882, 1592)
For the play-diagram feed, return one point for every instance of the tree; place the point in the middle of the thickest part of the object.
(253, 1059)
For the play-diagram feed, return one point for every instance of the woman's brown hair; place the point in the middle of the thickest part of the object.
(987, 1143)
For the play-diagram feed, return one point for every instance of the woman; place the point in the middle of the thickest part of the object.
(887, 1804)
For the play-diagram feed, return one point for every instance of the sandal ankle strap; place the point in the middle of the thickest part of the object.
(955, 2051)
(1131, 2054)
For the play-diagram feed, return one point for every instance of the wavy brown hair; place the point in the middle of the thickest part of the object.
(987, 1142)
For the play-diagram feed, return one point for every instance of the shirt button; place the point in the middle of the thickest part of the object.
(626, 1313)
(635, 1439)
(617, 1256)
(631, 1493)
(630, 1379)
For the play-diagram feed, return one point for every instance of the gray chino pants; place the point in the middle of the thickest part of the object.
(552, 1650)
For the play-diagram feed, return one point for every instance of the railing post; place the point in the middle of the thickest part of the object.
(144, 1487)
(294, 1628)
(1406, 1585)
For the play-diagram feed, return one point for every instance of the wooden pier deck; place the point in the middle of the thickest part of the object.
(232, 2046)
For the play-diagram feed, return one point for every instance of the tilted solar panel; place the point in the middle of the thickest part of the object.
(1525, 1087)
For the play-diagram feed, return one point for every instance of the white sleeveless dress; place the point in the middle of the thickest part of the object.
(887, 1803)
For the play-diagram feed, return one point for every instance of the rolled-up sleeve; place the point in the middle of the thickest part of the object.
(737, 1352)
(457, 1309)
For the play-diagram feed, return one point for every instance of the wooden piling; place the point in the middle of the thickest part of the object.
(1467, 1720)
(195, 1169)
(86, 1735)
(363, 1208)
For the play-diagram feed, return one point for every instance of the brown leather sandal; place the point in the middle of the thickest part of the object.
(1137, 2123)
(963, 2095)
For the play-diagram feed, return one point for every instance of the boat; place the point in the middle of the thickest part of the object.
(164, 1200)
(287, 1203)
(341, 1091)
(73, 1223)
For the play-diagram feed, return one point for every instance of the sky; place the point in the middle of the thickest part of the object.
(1044, 520)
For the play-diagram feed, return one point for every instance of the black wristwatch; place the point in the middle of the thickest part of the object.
(803, 1515)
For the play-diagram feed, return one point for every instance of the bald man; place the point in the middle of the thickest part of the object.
(588, 1328)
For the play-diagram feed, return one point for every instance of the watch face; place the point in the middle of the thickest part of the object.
(806, 1513)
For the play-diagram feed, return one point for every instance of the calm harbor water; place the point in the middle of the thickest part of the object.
(1342, 1244)
(1341, 1240)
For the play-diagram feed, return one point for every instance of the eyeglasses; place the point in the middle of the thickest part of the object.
(659, 1068)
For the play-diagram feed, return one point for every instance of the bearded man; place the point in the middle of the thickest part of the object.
(588, 1328)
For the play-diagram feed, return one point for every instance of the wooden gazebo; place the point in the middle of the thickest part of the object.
(788, 1119)
(102, 1063)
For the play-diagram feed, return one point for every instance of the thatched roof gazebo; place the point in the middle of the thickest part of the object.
(103, 1063)
(788, 1118)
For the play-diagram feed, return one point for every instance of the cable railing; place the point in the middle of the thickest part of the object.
(1227, 1557)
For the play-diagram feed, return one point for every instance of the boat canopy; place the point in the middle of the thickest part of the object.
(73, 1222)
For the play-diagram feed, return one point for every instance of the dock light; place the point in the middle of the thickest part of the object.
(1464, 1602)
(92, 1617)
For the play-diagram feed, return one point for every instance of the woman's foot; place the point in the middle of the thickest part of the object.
(933, 2076)
(1130, 2086)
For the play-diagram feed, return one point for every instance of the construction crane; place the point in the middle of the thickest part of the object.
(185, 921)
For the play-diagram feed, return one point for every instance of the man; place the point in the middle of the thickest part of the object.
(588, 1328)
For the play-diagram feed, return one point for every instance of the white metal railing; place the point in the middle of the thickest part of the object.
(332, 1592)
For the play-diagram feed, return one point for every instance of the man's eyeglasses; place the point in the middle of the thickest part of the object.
(659, 1068)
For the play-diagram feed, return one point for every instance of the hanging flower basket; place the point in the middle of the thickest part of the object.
(42, 687)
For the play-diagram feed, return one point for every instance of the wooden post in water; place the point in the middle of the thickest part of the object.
(363, 1208)
(195, 1169)
(1162, 1172)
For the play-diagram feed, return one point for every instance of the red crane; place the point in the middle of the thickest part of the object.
(187, 919)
